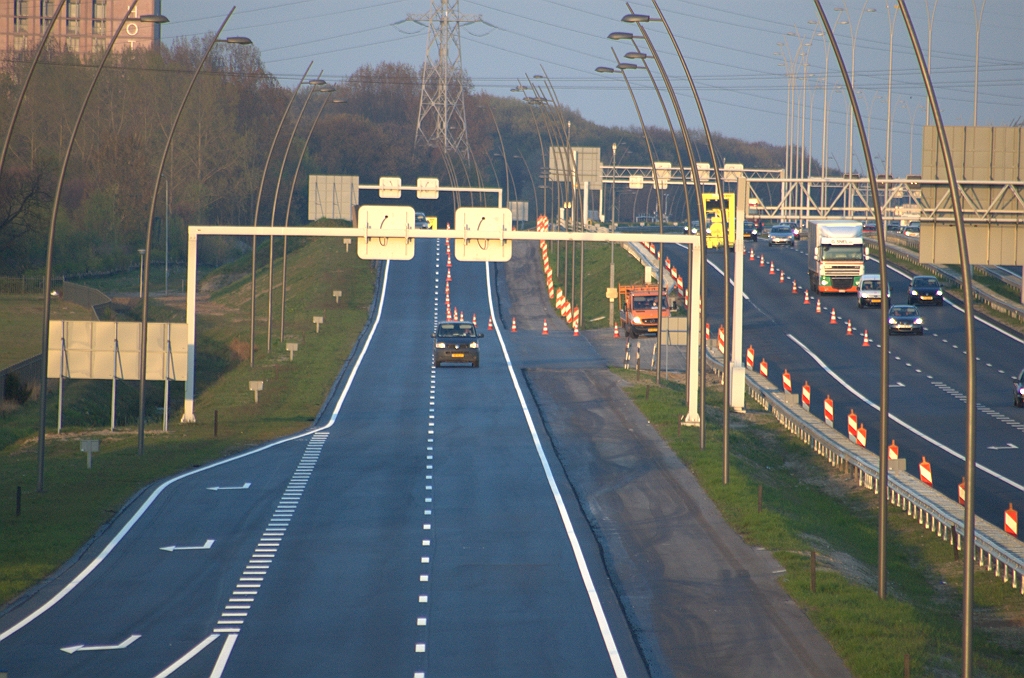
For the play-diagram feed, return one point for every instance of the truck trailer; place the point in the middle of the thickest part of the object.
(835, 255)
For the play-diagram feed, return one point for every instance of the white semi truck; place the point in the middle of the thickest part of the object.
(835, 255)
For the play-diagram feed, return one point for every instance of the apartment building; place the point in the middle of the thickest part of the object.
(83, 27)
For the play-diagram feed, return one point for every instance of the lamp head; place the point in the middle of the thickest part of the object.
(620, 35)
(626, 66)
(636, 18)
(604, 69)
(317, 82)
(636, 55)
(238, 40)
(153, 19)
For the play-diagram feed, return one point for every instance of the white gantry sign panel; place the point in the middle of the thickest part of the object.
(395, 220)
(90, 349)
(479, 234)
(427, 188)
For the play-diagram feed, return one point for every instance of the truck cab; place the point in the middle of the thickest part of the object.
(638, 309)
(835, 255)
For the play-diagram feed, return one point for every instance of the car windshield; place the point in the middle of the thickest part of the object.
(454, 330)
(903, 312)
(924, 281)
(842, 253)
(781, 230)
(871, 285)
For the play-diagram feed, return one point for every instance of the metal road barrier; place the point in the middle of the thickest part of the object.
(995, 550)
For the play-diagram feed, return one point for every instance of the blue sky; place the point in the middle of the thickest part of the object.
(731, 47)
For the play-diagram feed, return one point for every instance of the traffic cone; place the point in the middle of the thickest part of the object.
(782, 276)
(771, 269)
(490, 323)
(462, 317)
(575, 328)
(794, 287)
(616, 330)
(817, 306)
(448, 276)
(762, 261)
(513, 323)
(474, 318)
(807, 296)
(751, 255)
(849, 328)
(866, 342)
(832, 320)
(544, 330)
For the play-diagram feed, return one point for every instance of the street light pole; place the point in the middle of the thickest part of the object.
(291, 194)
(972, 405)
(143, 335)
(256, 216)
(978, 13)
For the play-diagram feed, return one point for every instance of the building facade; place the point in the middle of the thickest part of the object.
(83, 27)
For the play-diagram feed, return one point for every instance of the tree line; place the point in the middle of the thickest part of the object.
(213, 171)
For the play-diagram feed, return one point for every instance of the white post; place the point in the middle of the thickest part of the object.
(586, 207)
(60, 387)
(167, 374)
(738, 379)
(113, 383)
(693, 356)
(189, 417)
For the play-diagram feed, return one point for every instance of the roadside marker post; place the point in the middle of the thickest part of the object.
(750, 357)
(291, 347)
(925, 468)
(862, 436)
(961, 491)
(318, 320)
(337, 296)
(851, 426)
(256, 387)
(829, 411)
(787, 382)
(1010, 521)
(764, 368)
(805, 396)
(89, 447)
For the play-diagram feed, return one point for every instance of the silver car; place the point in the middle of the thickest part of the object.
(869, 293)
(781, 234)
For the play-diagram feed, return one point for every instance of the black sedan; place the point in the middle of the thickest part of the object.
(1018, 390)
(456, 342)
(904, 319)
(924, 289)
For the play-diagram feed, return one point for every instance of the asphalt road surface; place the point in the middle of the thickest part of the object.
(927, 373)
(418, 530)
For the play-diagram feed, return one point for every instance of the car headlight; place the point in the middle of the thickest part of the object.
(439, 345)
(1020, 390)
(938, 293)
(914, 292)
(637, 319)
(919, 321)
(892, 321)
(473, 344)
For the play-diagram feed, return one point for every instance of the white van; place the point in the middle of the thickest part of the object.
(869, 293)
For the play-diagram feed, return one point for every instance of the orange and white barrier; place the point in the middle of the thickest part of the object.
(862, 436)
(707, 332)
(830, 414)
(764, 368)
(961, 492)
(805, 396)
(925, 468)
(750, 358)
(851, 426)
(787, 382)
(894, 450)
(1010, 521)
(721, 339)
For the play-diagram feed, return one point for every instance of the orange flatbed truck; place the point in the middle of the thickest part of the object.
(638, 309)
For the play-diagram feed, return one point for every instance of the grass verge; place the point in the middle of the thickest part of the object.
(808, 505)
(55, 523)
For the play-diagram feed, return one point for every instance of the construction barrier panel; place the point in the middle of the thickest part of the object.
(1010, 521)
(925, 468)
(830, 414)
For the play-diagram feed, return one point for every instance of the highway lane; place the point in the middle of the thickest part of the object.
(927, 373)
(419, 531)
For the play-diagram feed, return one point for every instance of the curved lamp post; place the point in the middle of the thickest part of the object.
(149, 223)
(149, 18)
(726, 320)
(883, 404)
(256, 217)
(24, 85)
(291, 194)
(966, 272)
(273, 210)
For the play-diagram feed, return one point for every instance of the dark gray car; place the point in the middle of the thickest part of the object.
(924, 289)
(456, 342)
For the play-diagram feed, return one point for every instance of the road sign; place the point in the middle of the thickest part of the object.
(636, 182)
(426, 188)
(390, 218)
(390, 187)
(479, 234)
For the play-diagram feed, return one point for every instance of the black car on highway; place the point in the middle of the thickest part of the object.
(924, 289)
(456, 342)
(904, 319)
(1018, 390)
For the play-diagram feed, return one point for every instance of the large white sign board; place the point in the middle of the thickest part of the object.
(92, 347)
(479, 234)
(388, 217)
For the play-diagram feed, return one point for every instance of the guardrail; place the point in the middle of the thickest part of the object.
(995, 549)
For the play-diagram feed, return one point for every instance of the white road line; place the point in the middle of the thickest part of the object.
(88, 569)
(581, 562)
(188, 656)
(222, 658)
(901, 422)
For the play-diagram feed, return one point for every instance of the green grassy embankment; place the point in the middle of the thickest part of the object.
(21, 317)
(596, 260)
(55, 523)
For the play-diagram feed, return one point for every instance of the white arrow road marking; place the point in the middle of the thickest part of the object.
(90, 648)
(244, 486)
(208, 544)
(1007, 446)
(898, 384)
